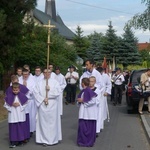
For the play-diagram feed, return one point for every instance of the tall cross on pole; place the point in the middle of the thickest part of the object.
(49, 26)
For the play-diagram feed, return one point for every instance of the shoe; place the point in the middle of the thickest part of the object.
(45, 145)
(20, 144)
(12, 146)
(25, 141)
(31, 134)
(97, 135)
(66, 102)
(114, 104)
(148, 111)
(140, 112)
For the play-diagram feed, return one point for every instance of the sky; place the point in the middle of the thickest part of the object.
(94, 15)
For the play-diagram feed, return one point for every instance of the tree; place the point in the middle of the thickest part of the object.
(13, 13)
(93, 52)
(141, 21)
(99, 36)
(145, 55)
(81, 43)
(2, 23)
(110, 43)
(3, 20)
(129, 54)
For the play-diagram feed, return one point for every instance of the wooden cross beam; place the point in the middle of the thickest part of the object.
(49, 26)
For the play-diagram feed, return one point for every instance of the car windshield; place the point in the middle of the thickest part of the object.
(136, 76)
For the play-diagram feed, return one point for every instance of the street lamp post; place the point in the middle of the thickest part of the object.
(79, 60)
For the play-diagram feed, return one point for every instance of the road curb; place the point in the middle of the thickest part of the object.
(146, 126)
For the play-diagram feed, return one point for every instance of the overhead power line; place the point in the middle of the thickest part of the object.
(100, 7)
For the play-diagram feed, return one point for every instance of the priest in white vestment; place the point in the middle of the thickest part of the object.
(19, 73)
(100, 85)
(62, 82)
(106, 92)
(29, 82)
(48, 127)
(38, 74)
(91, 71)
(108, 86)
(99, 93)
(53, 75)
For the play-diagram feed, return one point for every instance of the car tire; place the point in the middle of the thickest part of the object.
(128, 100)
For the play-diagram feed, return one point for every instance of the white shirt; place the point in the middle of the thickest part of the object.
(119, 79)
(72, 80)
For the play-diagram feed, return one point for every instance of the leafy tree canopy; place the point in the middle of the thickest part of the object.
(12, 14)
(128, 50)
(33, 50)
(81, 43)
(142, 21)
(110, 43)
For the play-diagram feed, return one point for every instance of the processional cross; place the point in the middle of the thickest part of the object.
(49, 26)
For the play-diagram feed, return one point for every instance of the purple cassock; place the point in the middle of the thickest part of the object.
(22, 128)
(87, 128)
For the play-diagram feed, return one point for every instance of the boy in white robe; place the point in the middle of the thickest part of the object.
(62, 82)
(31, 109)
(53, 75)
(38, 74)
(15, 103)
(87, 115)
(99, 93)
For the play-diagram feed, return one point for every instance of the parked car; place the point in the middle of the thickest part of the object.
(132, 95)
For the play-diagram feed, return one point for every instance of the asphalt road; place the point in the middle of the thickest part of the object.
(123, 132)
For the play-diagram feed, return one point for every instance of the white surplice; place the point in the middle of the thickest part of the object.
(48, 127)
(88, 110)
(31, 106)
(62, 82)
(16, 114)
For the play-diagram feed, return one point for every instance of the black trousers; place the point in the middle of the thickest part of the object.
(71, 93)
(112, 93)
(118, 94)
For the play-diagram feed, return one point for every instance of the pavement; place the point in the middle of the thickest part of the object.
(145, 118)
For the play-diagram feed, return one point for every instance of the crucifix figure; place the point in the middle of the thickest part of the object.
(49, 26)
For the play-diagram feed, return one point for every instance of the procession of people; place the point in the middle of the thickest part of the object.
(35, 103)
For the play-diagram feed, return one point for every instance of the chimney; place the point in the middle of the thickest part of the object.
(50, 8)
